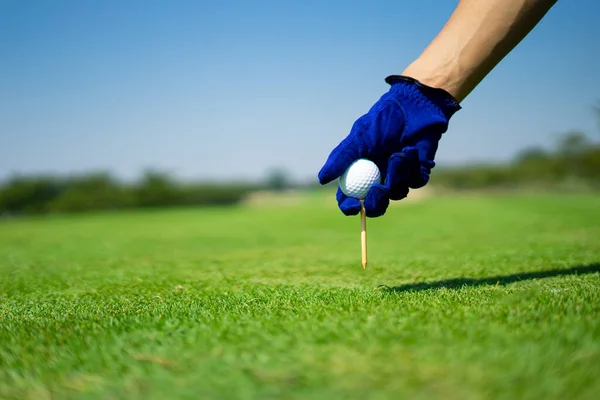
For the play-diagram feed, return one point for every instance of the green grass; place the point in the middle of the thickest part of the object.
(464, 298)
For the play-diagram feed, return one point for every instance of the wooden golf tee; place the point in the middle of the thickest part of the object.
(363, 234)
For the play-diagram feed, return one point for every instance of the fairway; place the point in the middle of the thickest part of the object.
(463, 298)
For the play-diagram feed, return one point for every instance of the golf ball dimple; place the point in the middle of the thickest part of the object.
(358, 178)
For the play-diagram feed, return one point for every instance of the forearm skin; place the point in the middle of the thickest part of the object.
(477, 36)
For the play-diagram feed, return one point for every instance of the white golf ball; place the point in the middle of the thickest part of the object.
(358, 178)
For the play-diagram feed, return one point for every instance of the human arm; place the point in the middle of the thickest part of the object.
(478, 35)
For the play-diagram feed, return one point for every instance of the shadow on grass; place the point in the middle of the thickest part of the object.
(494, 280)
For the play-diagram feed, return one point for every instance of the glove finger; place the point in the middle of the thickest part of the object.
(344, 154)
(348, 205)
(426, 146)
(397, 171)
(402, 169)
(377, 201)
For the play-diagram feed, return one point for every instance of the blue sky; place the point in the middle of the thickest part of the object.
(230, 89)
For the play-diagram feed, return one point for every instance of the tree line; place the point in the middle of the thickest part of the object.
(23, 195)
(574, 159)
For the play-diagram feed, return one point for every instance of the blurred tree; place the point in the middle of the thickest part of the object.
(213, 194)
(29, 195)
(573, 143)
(571, 149)
(597, 109)
(93, 191)
(277, 179)
(531, 154)
(156, 189)
(534, 164)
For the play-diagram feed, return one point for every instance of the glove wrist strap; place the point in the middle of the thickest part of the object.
(441, 97)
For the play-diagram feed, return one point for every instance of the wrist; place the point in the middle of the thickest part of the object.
(439, 77)
(439, 98)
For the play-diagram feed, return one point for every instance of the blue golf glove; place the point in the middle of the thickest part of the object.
(400, 134)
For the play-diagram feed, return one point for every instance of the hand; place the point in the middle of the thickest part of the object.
(400, 134)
